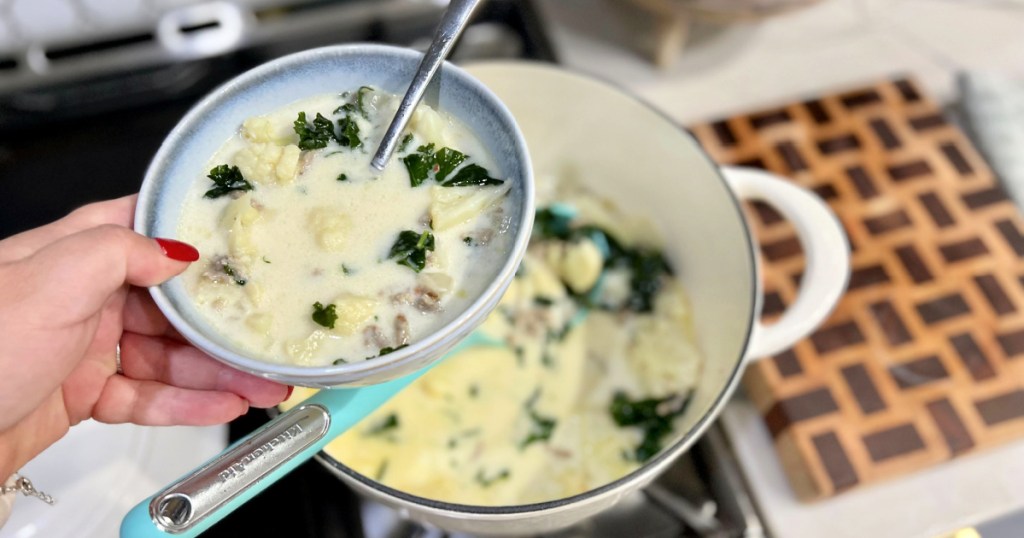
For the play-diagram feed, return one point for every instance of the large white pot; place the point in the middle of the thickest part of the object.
(629, 152)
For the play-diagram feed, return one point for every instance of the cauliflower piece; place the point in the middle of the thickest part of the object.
(430, 125)
(268, 163)
(260, 322)
(302, 351)
(260, 129)
(451, 206)
(330, 227)
(353, 311)
(545, 283)
(579, 264)
(239, 218)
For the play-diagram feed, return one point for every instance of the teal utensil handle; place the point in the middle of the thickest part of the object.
(203, 497)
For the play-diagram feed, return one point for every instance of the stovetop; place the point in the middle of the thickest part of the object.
(89, 139)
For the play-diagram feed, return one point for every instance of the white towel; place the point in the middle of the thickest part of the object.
(993, 107)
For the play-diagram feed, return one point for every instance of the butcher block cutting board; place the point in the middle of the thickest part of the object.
(922, 361)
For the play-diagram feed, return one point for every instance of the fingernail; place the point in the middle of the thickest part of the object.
(289, 395)
(176, 250)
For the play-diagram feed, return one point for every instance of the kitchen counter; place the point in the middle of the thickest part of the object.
(834, 44)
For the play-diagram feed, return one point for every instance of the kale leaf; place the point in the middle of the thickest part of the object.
(225, 180)
(406, 140)
(410, 249)
(446, 161)
(324, 315)
(471, 175)
(549, 224)
(360, 103)
(388, 349)
(647, 267)
(540, 430)
(349, 132)
(486, 482)
(419, 164)
(315, 136)
(645, 414)
(443, 164)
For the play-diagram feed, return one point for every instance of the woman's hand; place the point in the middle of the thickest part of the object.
(67, 298)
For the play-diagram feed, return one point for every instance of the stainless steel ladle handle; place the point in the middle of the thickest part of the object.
(453, 21)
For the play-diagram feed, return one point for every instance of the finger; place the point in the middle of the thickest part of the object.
(142, 316)
(120, 211)
(151, 403)
(181, 365)
(90, 265)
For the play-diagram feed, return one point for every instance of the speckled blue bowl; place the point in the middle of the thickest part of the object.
(184, 154)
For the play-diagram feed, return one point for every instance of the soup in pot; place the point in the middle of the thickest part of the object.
(576, 378)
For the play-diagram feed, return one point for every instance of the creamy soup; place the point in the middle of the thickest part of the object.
(311, 257)
(576, 379)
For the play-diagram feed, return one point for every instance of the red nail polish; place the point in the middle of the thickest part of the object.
(290, 389)
(176, 250)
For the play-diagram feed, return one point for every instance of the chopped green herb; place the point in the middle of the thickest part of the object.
(486, 482)
(315, 136)
(546, 359)
(410, 249)
(389, 423)
(471, 175)
(543, 301)
(225, 180)
(520, 352)
(406, 140)
(645, 414)
(345, 269)
(381, 471)
(474, 391)
(324, 315)
(265, 260)
(540, 428)
(342, 177)
(349, 132)
(230, 271)
(389, 349)
(468, 240)
(338, 362)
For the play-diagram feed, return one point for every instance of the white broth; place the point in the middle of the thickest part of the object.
(310, 257)
(576, 378)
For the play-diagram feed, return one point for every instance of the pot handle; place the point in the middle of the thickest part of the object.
(825, 247)
(205, 495)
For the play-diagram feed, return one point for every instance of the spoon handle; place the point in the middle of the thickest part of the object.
(454, 20)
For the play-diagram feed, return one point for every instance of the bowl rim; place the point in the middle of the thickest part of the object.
(683, 440)
(351, 373)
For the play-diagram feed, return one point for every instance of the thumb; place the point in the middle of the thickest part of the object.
(92, 264)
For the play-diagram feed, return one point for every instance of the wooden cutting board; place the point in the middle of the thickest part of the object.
(923, 359)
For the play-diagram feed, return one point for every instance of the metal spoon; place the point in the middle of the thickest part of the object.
(453, 21)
